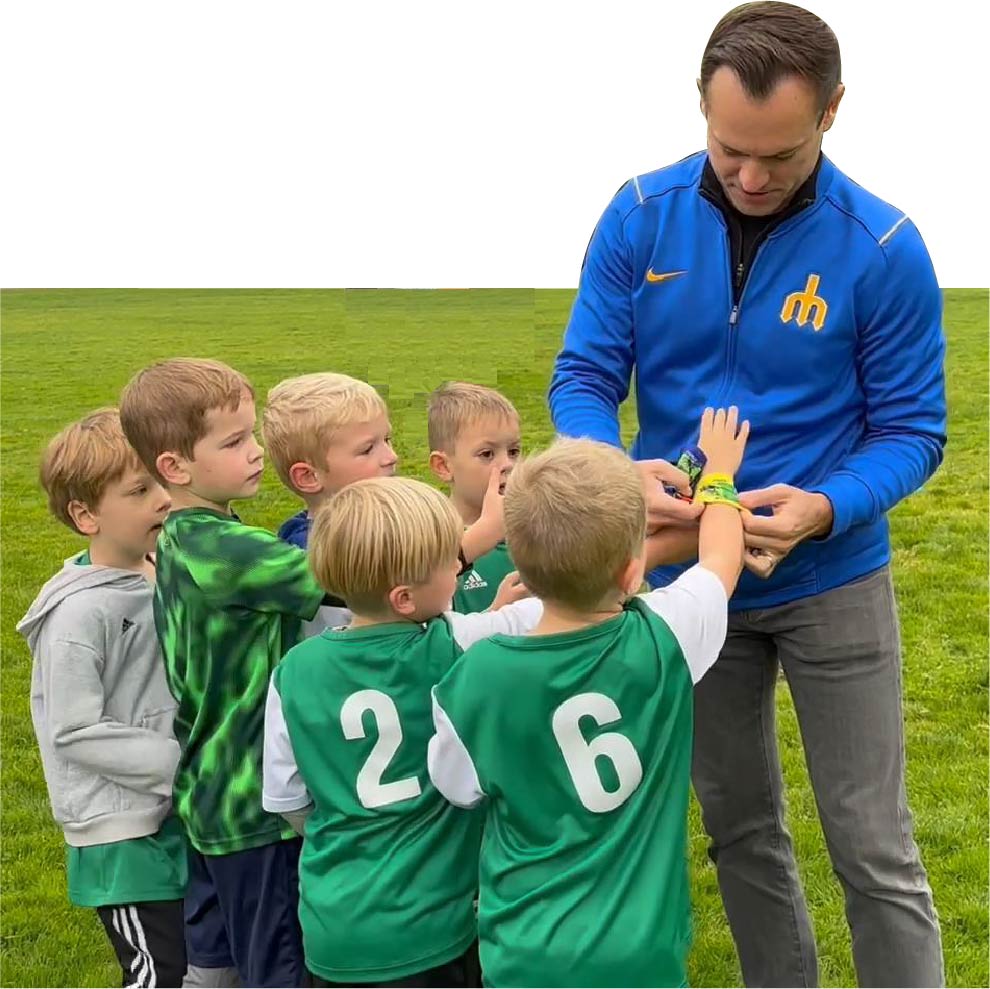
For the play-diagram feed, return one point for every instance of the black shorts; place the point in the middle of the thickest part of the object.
(242, 911)
(149, 941)
(463, 972)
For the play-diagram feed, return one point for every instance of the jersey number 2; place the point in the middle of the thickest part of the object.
(371, 791)
(580, 755)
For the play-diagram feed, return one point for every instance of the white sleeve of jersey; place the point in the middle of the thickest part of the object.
(695, 608)
(450, 765)
(282, 786)
(514, 619)
(329, 616)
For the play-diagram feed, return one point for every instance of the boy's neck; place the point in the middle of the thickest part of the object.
(313, 503)
(559, 618)
(469, 513)
(103, 554)
(184, 498)
(366, 621)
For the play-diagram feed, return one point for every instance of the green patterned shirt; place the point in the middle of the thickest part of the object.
(229, 602)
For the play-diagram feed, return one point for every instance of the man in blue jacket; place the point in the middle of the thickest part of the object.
(759, 275)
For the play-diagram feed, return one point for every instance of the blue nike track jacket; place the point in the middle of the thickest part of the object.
(834, 352)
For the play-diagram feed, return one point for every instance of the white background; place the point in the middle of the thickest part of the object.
(419, 144)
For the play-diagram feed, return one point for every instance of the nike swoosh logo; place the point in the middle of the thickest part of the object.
(652, 276)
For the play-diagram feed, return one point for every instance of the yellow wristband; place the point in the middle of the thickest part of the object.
(712, 499)
(710, 480)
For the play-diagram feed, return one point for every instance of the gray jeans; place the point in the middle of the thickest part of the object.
(840, 652)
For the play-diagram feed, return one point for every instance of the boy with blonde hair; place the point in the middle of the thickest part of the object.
(101, 708)
(474, 436)
(388, 872)
(322, 432)
(579, 735)
(229, 603)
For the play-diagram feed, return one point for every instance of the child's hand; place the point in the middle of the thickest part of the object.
(722, 440)
(492, 511)
(511, 589)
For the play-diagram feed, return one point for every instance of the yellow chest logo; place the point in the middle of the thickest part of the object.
(805, 306)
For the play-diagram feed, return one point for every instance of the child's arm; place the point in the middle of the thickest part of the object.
(283, 789)
(695, 608)
(249, 567)
(489, 530)
(449, 763)
(138, 758)
(513, 619)
(720, 537)
(671, 544)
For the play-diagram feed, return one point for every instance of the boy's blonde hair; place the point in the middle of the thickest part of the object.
(302, 414)
(575, 514)
(379, 533)
(163, 408)
(456, 404)
(82, 460)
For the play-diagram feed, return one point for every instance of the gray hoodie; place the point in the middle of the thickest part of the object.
(101, 708)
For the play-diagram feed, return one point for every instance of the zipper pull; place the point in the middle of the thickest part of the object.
(734, 316)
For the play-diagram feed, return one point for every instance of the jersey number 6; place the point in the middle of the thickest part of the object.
(371, 791)
(580, 755)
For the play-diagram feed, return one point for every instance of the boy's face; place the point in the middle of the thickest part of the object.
(357, 451)
(435, 596)
(227, 462)
(480, 446)
(130, 514)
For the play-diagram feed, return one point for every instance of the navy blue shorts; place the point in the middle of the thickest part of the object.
(242, 911)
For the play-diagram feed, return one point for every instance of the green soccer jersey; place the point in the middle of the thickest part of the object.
(138, 870)
(389, 869)
(229, 603)
(581, 743)
(477, 587)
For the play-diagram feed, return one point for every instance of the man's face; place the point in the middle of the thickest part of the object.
(762, 151)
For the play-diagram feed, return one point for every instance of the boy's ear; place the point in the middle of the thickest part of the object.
(629, 579)
(400, 599)
(304, 479)
(82, 518)
(173, 467)
(440, 466)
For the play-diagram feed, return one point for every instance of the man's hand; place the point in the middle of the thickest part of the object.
(663, 509)
(797, 515)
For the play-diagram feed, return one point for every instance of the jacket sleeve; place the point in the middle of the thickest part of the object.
(900, 364)
(592, 372)
(138, 758)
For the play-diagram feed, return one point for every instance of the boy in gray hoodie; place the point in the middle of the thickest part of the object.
(101, 708)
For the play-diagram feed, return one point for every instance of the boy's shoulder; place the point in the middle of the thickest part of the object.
(208, 534)
(295, 530)
(82, 601)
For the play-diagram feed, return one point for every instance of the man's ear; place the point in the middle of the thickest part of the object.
(400, 600)
(701, 100)
(828, 117)
(173, 467)
(83, 519)
(440, 466)
(304, 479)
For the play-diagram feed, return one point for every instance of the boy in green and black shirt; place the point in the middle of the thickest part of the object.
(474, 443)
(230, 601)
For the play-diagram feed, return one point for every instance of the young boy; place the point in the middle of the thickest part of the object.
(101, 707)
(388, 872)
(322, 431)
(229, 603)
(580, 734)
(474, 433)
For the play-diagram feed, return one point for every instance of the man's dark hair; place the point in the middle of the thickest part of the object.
(766, 41)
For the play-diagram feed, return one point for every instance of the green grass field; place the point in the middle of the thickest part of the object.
(66, 352)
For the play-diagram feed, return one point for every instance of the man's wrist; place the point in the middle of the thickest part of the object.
(824, 516)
